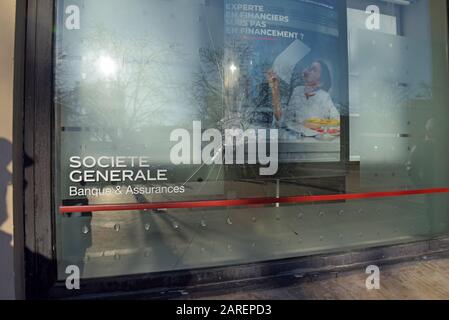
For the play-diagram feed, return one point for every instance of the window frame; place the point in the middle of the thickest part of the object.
(34, 204)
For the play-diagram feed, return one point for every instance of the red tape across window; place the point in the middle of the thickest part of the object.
(247, 202)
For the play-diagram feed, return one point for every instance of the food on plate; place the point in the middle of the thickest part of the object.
(324, 126)
(323, 122)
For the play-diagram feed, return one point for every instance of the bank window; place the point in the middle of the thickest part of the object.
(207, 133)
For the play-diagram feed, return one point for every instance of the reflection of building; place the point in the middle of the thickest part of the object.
(127, 104)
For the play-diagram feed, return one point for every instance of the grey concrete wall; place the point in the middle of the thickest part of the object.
(7, 27)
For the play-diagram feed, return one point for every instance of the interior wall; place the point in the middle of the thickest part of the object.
(7, 27)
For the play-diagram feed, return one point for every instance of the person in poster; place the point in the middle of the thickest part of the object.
(310, 105)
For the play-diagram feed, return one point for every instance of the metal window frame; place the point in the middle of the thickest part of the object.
(34, 210)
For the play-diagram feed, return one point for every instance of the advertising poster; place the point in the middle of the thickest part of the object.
(285, 69)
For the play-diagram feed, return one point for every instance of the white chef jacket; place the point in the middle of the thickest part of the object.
(300, 108)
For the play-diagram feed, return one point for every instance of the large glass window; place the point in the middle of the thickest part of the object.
(322, 124)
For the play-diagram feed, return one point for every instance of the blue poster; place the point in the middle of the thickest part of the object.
(285, 67)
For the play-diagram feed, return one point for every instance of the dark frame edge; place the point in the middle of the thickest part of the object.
(33, 147)
(18, 158)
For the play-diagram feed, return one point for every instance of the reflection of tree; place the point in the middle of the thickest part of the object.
(230, 90)
(221, 87)
(124, 84)
(208, 87)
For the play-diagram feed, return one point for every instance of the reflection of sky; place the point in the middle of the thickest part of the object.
(187, 25)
